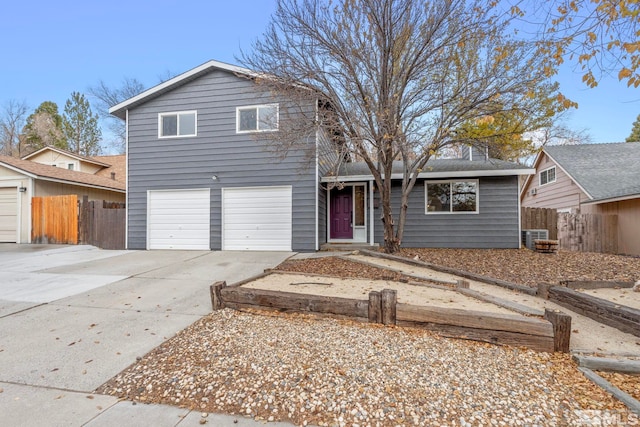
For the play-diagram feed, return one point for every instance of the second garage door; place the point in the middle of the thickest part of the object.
(178, 219)
(257, 218)
(8, 214)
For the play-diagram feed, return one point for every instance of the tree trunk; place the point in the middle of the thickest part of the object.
(391, 243)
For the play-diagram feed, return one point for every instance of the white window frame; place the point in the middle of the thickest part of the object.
(555, 175)
(451, 212)
(177, 113)
(257, 108)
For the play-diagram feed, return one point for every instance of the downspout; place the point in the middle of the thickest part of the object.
(126, 182)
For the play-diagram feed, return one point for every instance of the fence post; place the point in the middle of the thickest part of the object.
(561, 329)
(375, 307)
(216, 298)
(389, 301)
(543, 290)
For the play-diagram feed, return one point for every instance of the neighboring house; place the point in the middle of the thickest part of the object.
(198, 178)
(590, 178)
(109, 166)
(20, 180)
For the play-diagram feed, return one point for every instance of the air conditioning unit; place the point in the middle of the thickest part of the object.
(529, 237)
(533, 191)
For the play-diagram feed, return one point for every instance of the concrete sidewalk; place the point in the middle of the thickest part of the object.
(72, 317)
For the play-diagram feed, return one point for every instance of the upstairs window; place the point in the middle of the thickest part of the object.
(548, 176)
(451, 197)
(181, 124)
(257, 118)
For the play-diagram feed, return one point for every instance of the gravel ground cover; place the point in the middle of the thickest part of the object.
(528, 267)
(338, 267)
(630, 384)
(331, 372)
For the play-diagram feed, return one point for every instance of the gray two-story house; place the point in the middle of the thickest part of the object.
(199, 177)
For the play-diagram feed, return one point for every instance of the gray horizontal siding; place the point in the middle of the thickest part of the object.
(495, 226)
(237, 160)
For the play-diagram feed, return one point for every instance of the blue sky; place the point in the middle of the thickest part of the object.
(51, 49)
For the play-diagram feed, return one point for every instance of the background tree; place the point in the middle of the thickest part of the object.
(106, 97)
(396, 80)
(600, 36)
(12, 120)
(635, 131)
(80, 126)
(44, 127)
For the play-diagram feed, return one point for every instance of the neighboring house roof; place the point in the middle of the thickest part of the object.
(117, 164)
(436, 168)
(66, 153)
(52, 173)
(120, 110)
(603, 171)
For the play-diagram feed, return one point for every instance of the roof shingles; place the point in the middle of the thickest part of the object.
(604, 170)
(59, 174)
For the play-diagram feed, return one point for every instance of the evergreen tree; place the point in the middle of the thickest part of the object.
(80, 126)
(44, 128)
(635, 131)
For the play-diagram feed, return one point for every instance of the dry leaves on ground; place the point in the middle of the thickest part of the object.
(527, 267)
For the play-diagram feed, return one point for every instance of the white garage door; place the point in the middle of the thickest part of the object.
(256, 219)
(178, 219)
(8, 214)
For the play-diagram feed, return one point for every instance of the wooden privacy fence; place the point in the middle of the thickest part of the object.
(54, 219)
(588, 232)
(540, 219)
(65, 220)
(549, 334)
(102, 224)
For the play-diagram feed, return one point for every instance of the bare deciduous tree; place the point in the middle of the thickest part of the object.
(107, 97)
(395, 79)
(12, 119)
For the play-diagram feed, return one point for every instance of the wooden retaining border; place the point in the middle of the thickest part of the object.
(549, 334)
(467, 275)
(626, 319)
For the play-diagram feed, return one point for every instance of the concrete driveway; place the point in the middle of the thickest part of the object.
(72, 317)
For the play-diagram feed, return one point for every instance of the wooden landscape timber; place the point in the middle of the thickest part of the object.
(626, 319)
(595, 284)
(608, 364)
(534, 333)
(467, 275)
(548, 334)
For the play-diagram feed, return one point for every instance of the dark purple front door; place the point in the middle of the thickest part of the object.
(341, 213)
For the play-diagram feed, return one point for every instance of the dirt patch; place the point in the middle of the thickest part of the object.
(360, 288)
(527, 267)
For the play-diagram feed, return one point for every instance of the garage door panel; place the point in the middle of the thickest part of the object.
(8, 215)
(179, 219)
(257, 218)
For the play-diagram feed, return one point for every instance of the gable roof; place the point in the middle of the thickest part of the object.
(120, 110)
(66, 176)
(603, 171)
(117, 164)
(434, 169)
(66, 153)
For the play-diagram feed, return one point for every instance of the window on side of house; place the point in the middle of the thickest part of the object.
(257, 118)
(548, 176)
(70, 166)
(178, 124)
(451, 197)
